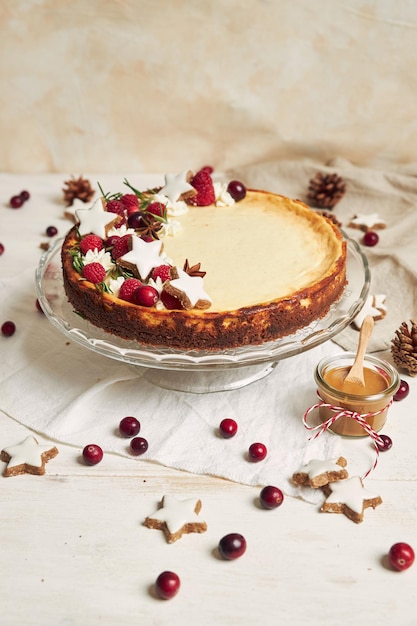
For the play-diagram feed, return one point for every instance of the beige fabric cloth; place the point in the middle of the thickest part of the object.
(392, 194)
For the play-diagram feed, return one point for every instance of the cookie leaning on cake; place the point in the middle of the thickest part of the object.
(202, 265)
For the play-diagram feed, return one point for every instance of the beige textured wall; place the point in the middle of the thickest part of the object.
(153, 85)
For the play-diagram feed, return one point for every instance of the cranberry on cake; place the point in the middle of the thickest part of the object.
(202, 265)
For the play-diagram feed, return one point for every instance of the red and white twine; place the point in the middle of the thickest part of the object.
(360, 418)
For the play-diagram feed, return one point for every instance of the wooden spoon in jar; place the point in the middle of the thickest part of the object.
(355, 374)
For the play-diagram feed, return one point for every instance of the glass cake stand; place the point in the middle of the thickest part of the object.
(200, 371)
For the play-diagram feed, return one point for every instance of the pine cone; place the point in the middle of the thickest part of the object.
(77, 188)
(325, 190)
(404, 348)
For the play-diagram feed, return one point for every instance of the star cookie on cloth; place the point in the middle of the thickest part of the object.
(349, 497)
(176, 518)
(96, 220)
(318, 473)
(177, 187)
(374, 306)
(372, 221)
(143, 257)
(188, 289)
(27, 457)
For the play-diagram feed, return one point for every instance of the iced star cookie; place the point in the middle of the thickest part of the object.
(318, 473)
(96, 220)
(350, 498)
(371, 221)
(374, 306)
(188, 289)
(27, 457)
(176, 518)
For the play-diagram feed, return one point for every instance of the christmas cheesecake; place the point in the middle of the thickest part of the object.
(197, 265)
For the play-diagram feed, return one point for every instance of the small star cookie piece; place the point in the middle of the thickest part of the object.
(350, 498)
(176, 518)
(27, 457)
(374, 306)
(188, 289)
(364, 222)
(318, 473)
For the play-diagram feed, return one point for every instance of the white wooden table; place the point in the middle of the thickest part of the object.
(74, 549)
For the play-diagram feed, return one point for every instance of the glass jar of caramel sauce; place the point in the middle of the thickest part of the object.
(374, 398)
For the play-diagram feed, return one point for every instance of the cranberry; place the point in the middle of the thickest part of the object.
(146, 296)
(16, 202)
(25, 195)
(271, 497)
(370, 238)
(386, 443)
(8, 329)
(257, 452)
(1, 249)
(135, 220)
(51, 231)
(228, 428)
(169, 301)
(237, 190)
(232, 546)
(167, 585)
(401, 556)
(402, 391)
(138, 446)
(92, 454)
(129, 426)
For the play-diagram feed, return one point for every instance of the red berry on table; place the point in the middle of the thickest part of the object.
(138, 446)
(90, 242)
(271, 497)
(146, 295)
(51, 231)
(25, 195)
(257, 452)
(228, 428)
(167, 585)
(8, 328)
(237, 190)
(401, 556)
(402, 391)
(129, 426)
(232, 546)
(370, 238)
(94, 272)
(92, 454)
(1, 249)
(386, 443)
(16, 202)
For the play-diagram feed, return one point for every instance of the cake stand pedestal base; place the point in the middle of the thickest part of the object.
(208, 381)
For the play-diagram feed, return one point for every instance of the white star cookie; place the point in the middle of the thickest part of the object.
(374, 306)
(96, 220)
(189, 290)
(318, 473)
(372, 221)
(27, 457)
(143, 257)
(175, 186)
(70, 211)
(176, 518)
(349, 497)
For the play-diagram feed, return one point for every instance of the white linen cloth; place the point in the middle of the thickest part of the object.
(72, 395)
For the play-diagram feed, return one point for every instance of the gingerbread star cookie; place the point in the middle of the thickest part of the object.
(318, 473)
(374, 306)
(350, 498)
(364, 222)
(177, 186)
(188, 289)
(176, 518)
(27, 457)
(96, 220)
(143, 257)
